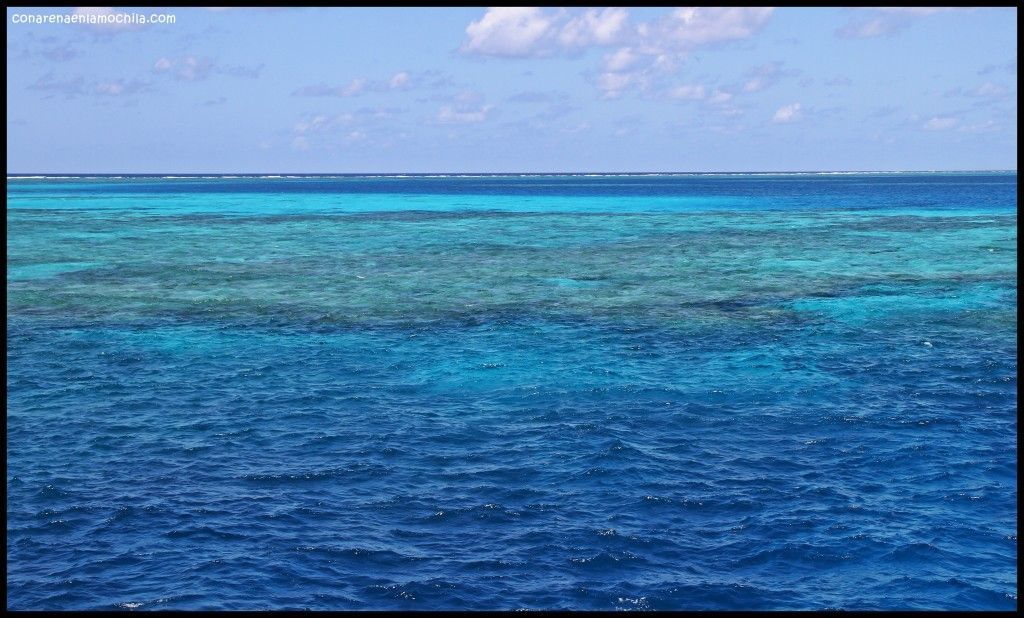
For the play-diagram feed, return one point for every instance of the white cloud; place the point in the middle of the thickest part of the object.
(532, 31)
(461, 115)
(913, 10)
(687, 92)
(612, 83)
(351, 89)
(1008, 67)
(604, 27)
(402, 80)
(886, 21)
(195, 68)
(526, 32)
(939, 123)
(690, 27)
(508, 31)
(620, 60)
(398, 80)
(719, 97)
(313, 124)
(988, 126)
(864, 29)
(764, 76)
(317, 130)
(579, 128)
(110, 88)
(841, 80)
(121, 87)
(986, 90)
(76, 87)
(788, 113)
(467, 97)
(645, 51)
(729, 111)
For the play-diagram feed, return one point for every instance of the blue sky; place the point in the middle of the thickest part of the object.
(492, 90)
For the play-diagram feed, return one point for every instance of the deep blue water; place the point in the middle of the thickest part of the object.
(617, 392)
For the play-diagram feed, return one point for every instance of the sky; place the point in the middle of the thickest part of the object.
(463, 90)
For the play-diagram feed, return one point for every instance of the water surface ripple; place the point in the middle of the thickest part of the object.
(679, 392)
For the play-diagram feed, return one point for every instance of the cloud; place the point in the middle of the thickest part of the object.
(510, 31)
(577, 128)
(121, 87)
(939, 123)
(885, 21)
(49, 48)
(196, 68)
(61, 53)
(398, 80)
(402, 80)
(612, 82)
(449, 114)
(70, 88)
(691, 27)
(645, 52)
(316, 131)
(78, 86)
(252, 72)
(355, 136)
(765, 76)
(1009, 66)
(719, 97)
(987, 90)
(788, 113)
(466, 97)
(884, 111)
(189, 68)
(555, 116)
(593, 27)
(555, 111)
(868, 28)
(620, 60)
(912, 10)
(988, 126)
(323, 130)
(353, 88)
(536, 96)
(314, 124)
(841, 80)
(687, 92)
(532, 32)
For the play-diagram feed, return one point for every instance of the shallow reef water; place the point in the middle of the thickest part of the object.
(504, 392)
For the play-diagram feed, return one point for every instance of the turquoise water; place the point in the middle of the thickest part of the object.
(501, 392)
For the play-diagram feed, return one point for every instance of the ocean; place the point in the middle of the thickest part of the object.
(694, 391)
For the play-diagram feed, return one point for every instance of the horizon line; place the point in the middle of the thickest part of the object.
(504, 173)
